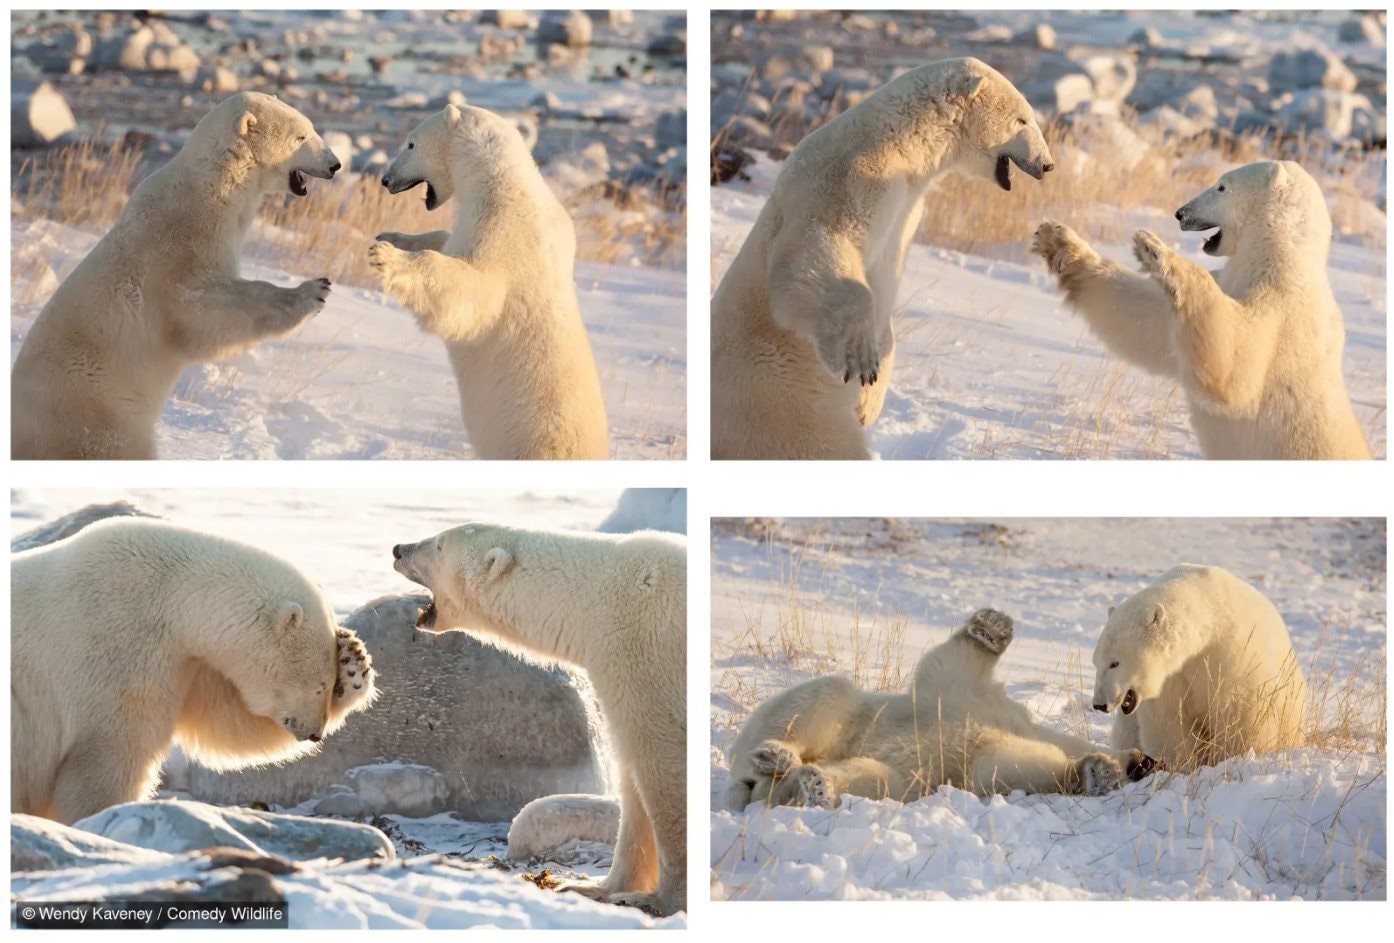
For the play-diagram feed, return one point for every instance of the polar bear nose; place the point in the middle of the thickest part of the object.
(335, 167)
(314, 738)
(1181, 215)
(397, 551)
(1047, 168)
(1101, 708)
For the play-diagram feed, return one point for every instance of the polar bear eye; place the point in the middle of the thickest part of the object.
(1021, 122)
(1114, 665)
(411, 145)
(1221, 189)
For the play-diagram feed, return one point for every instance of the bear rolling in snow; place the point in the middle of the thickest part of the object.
(826, 738)
(1200, 667)
(499, 289)
(1257, 345)
(161, 290)
(615, 606)
(802, 343)
(134, 634)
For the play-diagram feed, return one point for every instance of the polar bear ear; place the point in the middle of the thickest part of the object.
(289, 616)
(1111, 611)
(247, 124)
(497, 562)
(453, 114)
(1158, 617)
(966, 86)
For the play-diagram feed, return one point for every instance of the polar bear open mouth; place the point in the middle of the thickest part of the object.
(1129, 700)
(1003, 171)
(297, 183)
(1211, 244)
(426, 618)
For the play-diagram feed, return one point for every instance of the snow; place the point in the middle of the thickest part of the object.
(798, 599)
(360, 380)
(991, 364)
(451, 872)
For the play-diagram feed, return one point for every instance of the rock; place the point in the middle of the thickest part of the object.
(175, 826)
(1059, 95)
(844, 82)
(668, 44)
(38, 844)
(269, 68)
(573, 168)
(1147, 38)
(731, 73)
(408, 99)
(613, 17)
(816, 58)
(572, 30)
(1328, 112)
(544, 825)
(370, 161)
(453, 97)
(341, 144)
(744, 131)
(648, 509)
(993, 33)
(1040, 36)
(1114, 77)
(217, 80)
(1362, 29)
(39, 114)
(731, 102)
(1314, 67)
(508, 19)
(1102, 133)
(500, 730)
(409, 789)
(547, 101)
(151, 48)
(670, 129)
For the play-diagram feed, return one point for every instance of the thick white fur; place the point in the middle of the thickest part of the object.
(499, 289)
(615, 606)
(802, 345)
(134, 634)
(1257, 345)
(955, 724)
(1211, 664)
(161, 290)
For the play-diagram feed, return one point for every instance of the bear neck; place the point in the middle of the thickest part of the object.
(1274, 252)
(227, 179)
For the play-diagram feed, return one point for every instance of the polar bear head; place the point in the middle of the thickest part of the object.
(294, 683)
(266, 144)
(464, 568)
(996, 125)
(451, 149)
(1145, 639)
(1258, 204)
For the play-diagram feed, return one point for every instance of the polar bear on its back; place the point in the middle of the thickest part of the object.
(1200, 667)
(499, 289)
(802, 344)
(161, 290)
(134, 634)
(615, 606)
(1257, 345)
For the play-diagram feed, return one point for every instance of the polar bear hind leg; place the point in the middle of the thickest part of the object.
(1003, 763)
(93, 777)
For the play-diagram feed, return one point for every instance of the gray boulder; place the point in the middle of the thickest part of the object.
(39, 114)
(571, 29)
(175, 826)
(500, 731)
(1363, 29)
(1314, 67)
(71, 523)
(1040, 36)
(662, 509)
(217, 80)
(38, 844)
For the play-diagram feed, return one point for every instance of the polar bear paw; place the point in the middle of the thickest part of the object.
(307, 299)
(805, 786)
(1059, 246)
(852, 351)
(355, 670)
(773, 758)
(648, 903)
(1154, 255)
(991, 629)
(386, 259)
(1099, 774)
(1139, 765)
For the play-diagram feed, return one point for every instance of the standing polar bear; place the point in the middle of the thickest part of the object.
(615, 606)
(133, 635)
(161, 290)
(1256, 346)
(955, 725)
(1200, 667)
(806, 306)
(499, 289)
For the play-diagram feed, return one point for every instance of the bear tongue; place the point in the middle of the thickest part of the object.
(297, 183)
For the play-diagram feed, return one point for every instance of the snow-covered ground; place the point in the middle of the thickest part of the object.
(794, 599)
(361, 380)
(991, 364)
(343, 539)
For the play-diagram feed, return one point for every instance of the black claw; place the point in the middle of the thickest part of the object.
(846, 375)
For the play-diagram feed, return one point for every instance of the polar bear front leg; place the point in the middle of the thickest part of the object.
(228, 314)
(101, 772)
(874, 394)
(450, 297)
(634, 867)
(804, 785)
(435, 241)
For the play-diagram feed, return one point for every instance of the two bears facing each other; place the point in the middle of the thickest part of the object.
(1199, 666)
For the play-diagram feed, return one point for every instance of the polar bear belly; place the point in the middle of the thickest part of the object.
(894, 220)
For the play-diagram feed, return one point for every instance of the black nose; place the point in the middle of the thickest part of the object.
(1102, 708)
(336, 168)
(384, 182)
(397, 552)
(1047, 168)
(313, 738)
(1181, 214)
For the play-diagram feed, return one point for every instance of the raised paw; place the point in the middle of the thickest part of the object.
(1152, 254)
(852, 352)
(991, 629)
(773, 758)
(1059, 246)
(384, 257)
(804, 786)
(394, 239)
(308, 298)
(1139, 765)
(355, 666)
(1098, 774)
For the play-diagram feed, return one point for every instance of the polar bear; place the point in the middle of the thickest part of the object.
(806, 306)
(135, 634)
(161, 290)
(499, 289)
(955, 725)
(615, 606)
(1257, 345)
(1200, 667)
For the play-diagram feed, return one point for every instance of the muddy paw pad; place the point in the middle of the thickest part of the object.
(991, 629)
(1140, 765)
(1099, 774)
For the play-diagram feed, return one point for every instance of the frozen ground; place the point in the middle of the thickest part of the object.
(361, 380)
(343, 540)
(798, 599)
(991, 364)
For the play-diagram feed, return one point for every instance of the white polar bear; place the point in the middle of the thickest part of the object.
(1257, 345)
(1200, 667)
(615, 606)
(134, 634)
(955, 724)
(161, 290)
(499, 289)
(806, 306)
